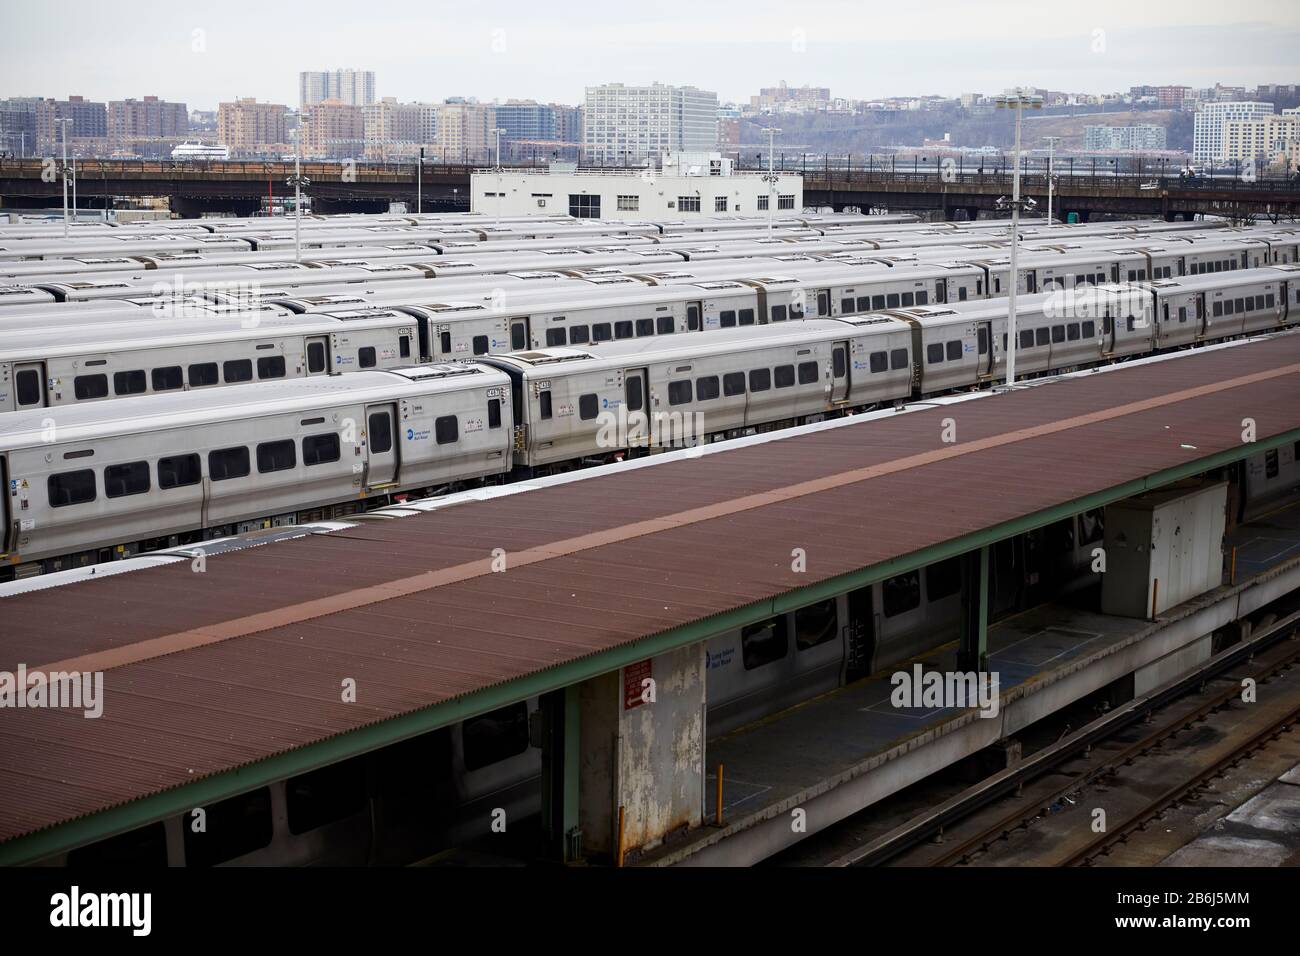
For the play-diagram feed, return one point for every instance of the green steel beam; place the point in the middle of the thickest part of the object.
(219, 786)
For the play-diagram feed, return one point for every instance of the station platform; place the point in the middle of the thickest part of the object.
(843, 751)
(226, 680)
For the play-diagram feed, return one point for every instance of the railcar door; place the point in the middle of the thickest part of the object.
(824, 302)
(694, 316)
(840, 372)
(860, 636)
(381, 446)
(318, 355)
(636, 392)
(941, 291)
(984, 348)
(519, 337)
(29, 385)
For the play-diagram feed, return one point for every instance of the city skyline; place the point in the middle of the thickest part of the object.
(510, 51)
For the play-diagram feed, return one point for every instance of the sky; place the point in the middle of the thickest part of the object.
(204, 53)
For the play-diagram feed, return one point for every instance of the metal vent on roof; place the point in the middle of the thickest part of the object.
(443, 309)
(424, 373)
(551, 358)
(353, 314)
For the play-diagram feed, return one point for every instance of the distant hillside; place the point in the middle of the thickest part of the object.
(863, 133)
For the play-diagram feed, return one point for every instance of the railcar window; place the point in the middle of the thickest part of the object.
(645, 327)
(544, 402)
(1058, 333)
(271, 367)
(129, 383)
(1241, 305)
(982, 340)
(601, 332)
(863, 303)
(444, 342)
(1072, 331)
(727, 319)
(922, 298)
(578, 335)
(760, 380)
(380, 427)
(129, 479)
(665, 325)
(878, 361)
(954, 350)
(446, 429)
(778, 313)
(634, 396)
(142, 847)
(839, 363)
(1026, 338)
(807, 373)
(1042, 335)
(315, 356)
(71, 488)
(1091, 529)
(237, 370)
(733, 383)
(943, 579)
(588, 406)
(495, 736)
(276, 456)
(236, 826)
(907, 298)
(764, 642)
(203, 373)
(556, 337)
(1089, 329)
(846, 306)
(891, 300)
(693, 317)
(877, 302)
(28, 387)
(746, 316)
(706, 388)
(961, 292)
(815, 624)
(898, 359)
(165, 379)
(494, 413)
(518, 336)
(1269, 301)
(1250, 303)
(623, 330)
(326, 795)
(901, 594)
(679, 393)
(784, 375)
(366, 356)
(480, 345)
(404, 346)
(90, 386)
(796, 310)
(320, 449)
(178, 471)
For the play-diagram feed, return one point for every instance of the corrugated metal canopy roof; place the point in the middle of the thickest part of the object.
(213, 671)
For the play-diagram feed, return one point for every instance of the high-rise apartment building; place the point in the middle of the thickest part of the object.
(130, 121)
(333, 130)
(526, 120)
(1208, 140)
(350, 87)
(89, 122)
(396, 131)
(465, 131)
(249, 128)
(631, 123)
(1146, 136)
(1260, 140)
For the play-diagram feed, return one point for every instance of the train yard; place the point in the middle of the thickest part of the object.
(500, 474)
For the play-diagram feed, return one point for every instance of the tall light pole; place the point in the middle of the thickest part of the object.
(1051, 155)
(64, 123)
(1019, 100)
(496, 216)
(770, 178)
(74, 184)
(297, 181)
(419, 183)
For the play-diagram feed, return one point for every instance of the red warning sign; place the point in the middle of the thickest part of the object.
(634, 676)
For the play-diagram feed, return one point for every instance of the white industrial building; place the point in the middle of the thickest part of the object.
(684, 185)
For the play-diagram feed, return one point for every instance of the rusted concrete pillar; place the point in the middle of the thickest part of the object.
(642, 745)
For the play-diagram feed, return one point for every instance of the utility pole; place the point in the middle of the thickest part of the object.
(297, 181)
(64, 122)
(771, 177)
(1051, 154)
(1019, 100)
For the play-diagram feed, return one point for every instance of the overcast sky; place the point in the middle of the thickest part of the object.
(203, 53)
